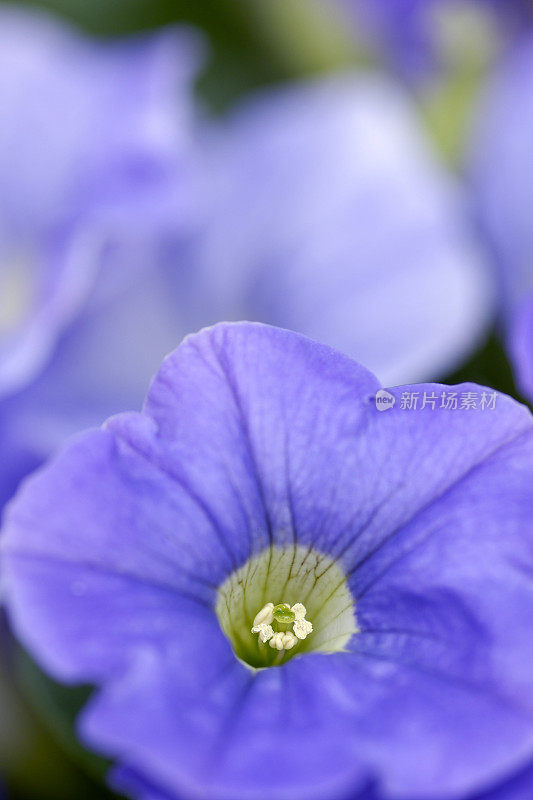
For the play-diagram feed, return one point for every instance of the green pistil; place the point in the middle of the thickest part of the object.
(283, 615)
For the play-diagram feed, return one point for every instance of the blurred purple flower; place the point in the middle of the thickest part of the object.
(261, 470)
(130, 221)
(409, 32)
(96, 164)
(521, 345)
(501, 166)
(333, 217)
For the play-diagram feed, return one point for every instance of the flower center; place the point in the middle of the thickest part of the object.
(286, 602)
(282, 626)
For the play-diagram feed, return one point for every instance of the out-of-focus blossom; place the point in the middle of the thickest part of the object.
(501, 166)
(90, 132)
(320, 208)
(96, 180)
(521, 345)
(419, 37)
(332, 216)
(262, 471)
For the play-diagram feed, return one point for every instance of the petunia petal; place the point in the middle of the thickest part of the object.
(127, 781)
(116, 123)
(92, 152)
(521, 344)
(349, 270)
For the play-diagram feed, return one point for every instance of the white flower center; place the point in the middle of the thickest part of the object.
(282, 616)
(317, 613)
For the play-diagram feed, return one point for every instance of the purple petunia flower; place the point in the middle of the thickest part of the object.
(331, 215)
(96, 159)
(94, 137)
(415, 35)
(501, 165)
(521, 345)
(171, 558)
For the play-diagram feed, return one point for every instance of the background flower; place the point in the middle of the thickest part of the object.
(81, 270)
(501, 167)
(420, 37)
(150, 221)
(253, 438)
(383, 267)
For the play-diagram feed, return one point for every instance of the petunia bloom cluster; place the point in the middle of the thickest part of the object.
(260, 480)
(281, 578)
(145, 221)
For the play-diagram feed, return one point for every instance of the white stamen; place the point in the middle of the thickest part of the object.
(302, 628)
(277, 641)
(299, 611)
(289, 640)
(264, 616)
(282, 640)
(265, 631)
